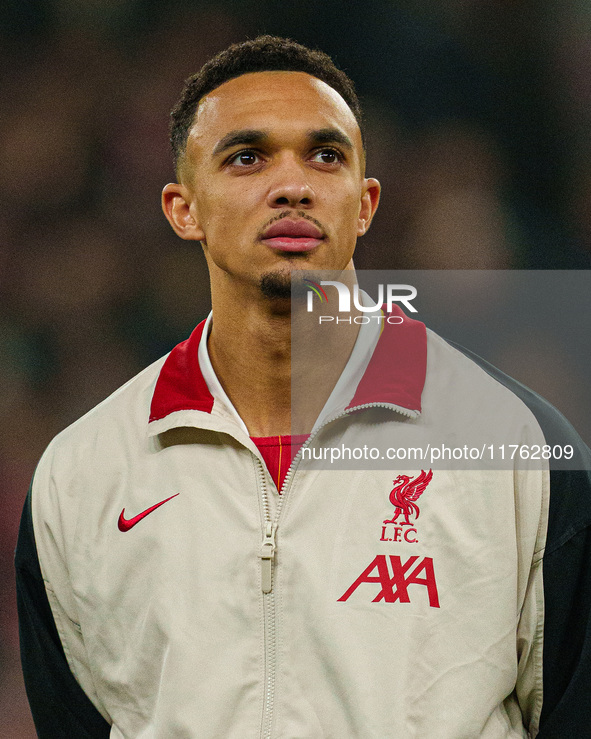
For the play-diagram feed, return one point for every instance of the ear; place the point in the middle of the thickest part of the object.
(176, 204)
(370, 197)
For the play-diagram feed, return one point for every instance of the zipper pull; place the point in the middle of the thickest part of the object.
(267, 555)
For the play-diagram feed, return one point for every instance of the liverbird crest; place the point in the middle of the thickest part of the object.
(405, 493)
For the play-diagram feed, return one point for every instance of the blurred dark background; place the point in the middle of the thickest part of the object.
(478, 118)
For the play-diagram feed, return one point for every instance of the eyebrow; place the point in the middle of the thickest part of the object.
(244, 137)
(250, 137)
(330, 136)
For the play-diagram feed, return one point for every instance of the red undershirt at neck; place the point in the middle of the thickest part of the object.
(278, 453)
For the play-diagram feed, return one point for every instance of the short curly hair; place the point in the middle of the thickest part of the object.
(262, 54)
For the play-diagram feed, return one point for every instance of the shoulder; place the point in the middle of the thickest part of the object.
(96, 448)
(471, 400)
(557, 429)
(125, 412)
(447, 356)
(570, 478)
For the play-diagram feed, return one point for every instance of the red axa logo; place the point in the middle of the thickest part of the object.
(403, 496)
(395, 580)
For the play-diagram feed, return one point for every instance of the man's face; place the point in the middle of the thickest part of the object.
(273, 180)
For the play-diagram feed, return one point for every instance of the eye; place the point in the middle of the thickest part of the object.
(244, 158)
(327, 156)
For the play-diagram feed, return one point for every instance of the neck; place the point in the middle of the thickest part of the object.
(251, 351)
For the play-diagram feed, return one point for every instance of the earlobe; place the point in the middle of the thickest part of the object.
(369, 204)
(176, 205)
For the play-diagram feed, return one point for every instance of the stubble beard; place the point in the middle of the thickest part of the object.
(283, 285)
(276, 286)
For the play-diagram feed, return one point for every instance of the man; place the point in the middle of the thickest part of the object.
(180, 575)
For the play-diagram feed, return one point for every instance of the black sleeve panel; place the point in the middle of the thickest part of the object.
(566, 710)
(60, 708)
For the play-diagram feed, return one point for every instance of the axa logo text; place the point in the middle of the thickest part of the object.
(395, 581)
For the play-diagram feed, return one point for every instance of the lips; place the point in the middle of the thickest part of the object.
(290, 235)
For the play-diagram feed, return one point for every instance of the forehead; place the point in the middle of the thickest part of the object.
(271, 101)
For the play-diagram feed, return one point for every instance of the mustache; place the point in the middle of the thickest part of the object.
(290, 214)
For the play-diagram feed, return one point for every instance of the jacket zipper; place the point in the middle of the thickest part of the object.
(267, 556)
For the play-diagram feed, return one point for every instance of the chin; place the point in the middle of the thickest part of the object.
(283, 285)
(276, 285)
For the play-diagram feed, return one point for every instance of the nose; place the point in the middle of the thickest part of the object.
(291, 187)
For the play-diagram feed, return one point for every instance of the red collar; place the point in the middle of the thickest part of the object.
(395, 374)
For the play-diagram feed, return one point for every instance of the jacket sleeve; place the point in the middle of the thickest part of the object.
(566, 708)
(60, 707)
(566, 574)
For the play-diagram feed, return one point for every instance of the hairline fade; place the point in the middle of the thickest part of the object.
(262, 54)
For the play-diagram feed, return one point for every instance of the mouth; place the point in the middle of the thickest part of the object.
(293, 235)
